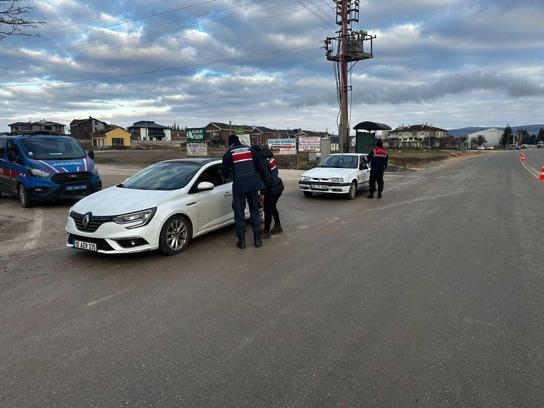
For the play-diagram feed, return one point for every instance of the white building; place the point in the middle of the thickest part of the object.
(492, 135)
(149, 130)
(416, 136)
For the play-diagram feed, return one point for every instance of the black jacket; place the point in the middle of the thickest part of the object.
(379, 159)
(242, 164)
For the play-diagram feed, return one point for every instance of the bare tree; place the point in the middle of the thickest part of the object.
(15, 19)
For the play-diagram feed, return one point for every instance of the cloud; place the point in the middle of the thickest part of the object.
(258, 61)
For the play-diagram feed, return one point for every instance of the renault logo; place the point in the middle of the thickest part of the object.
(86, 220)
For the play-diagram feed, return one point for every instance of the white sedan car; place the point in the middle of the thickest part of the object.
(337, 174)
(161, 207)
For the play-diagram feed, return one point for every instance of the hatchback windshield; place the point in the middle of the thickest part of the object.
(340, 162)
(163, 176)
(53, 148)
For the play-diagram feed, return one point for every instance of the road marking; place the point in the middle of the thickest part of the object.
(531, 170)
(95, 302)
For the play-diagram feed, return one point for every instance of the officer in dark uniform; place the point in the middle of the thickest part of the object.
(378, 158)
(272, 192)
(242, 164)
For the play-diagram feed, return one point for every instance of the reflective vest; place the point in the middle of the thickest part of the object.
(380, 152)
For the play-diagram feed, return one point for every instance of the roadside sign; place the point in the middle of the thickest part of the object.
(196, 135)
(197, 150)
(239, 131)
(245, 139)
(283, 146)
(309, 144)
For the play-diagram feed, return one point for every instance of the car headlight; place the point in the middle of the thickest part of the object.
(305, 178)
(95, 170)
(337, 180)
(136, 219)
(39, 173)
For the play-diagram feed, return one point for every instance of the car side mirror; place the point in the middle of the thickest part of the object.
(91, 154)
(205, 186)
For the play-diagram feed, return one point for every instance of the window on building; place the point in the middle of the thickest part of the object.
(117, 141)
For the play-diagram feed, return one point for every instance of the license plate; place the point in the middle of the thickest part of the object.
(88, 246)
(319, 187)
(73, 188)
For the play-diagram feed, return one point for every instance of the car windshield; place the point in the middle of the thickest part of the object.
(53, 148)
(163, 176)
(339, 162)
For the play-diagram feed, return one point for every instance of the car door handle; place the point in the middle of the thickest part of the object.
(193, 203)
(227, 194)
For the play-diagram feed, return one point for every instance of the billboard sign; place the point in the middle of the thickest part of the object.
(245, 139)
(196, 135)
(197, 149)
(309, 144)
(283, 146)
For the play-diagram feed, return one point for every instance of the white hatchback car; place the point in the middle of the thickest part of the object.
(161, 207)
(337, 174)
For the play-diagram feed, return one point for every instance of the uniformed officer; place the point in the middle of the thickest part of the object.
(242, 164)
(378, 158)
(272, 192)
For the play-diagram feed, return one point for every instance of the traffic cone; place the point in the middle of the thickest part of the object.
(542, 174)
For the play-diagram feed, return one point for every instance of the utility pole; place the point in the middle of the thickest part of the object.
(348, 47)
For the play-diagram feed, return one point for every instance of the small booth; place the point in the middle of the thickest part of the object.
(366, 134)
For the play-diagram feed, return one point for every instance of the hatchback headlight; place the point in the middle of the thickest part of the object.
(39, 173)
(136, 219)
(305, 178)
(95, 170)
(337, 180)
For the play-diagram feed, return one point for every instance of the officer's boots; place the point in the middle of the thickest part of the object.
(277, 229)
(258, 241)
(371, 195)
(241, 242)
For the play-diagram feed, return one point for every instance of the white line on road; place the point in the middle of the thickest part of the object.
(531, 170)
(95, 302)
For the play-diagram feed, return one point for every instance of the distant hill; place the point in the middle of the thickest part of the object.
(532, 129)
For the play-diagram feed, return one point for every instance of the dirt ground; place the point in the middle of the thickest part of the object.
(398, 158)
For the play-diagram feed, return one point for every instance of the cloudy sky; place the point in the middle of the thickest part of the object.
(452, 63)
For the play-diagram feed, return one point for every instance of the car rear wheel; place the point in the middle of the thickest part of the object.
(308, 194)
(175, 235)
(352, 191)
(23, 196)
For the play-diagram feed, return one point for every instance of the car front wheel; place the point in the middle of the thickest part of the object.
(175, 235)
(23, 196)
(352, 190)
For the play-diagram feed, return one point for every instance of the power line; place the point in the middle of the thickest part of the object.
(319, 16)
(192, 18)
(154, 71)
(154, 33)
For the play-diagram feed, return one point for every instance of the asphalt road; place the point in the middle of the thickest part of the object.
(431, 297)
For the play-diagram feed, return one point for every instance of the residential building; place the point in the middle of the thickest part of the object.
(111, 137)
(493, 136)
(82, 129)
(312, 133)
(219, 132)
(416, 136)
(261, 134)
(149, 130)
(43, 127)
(179, 135)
